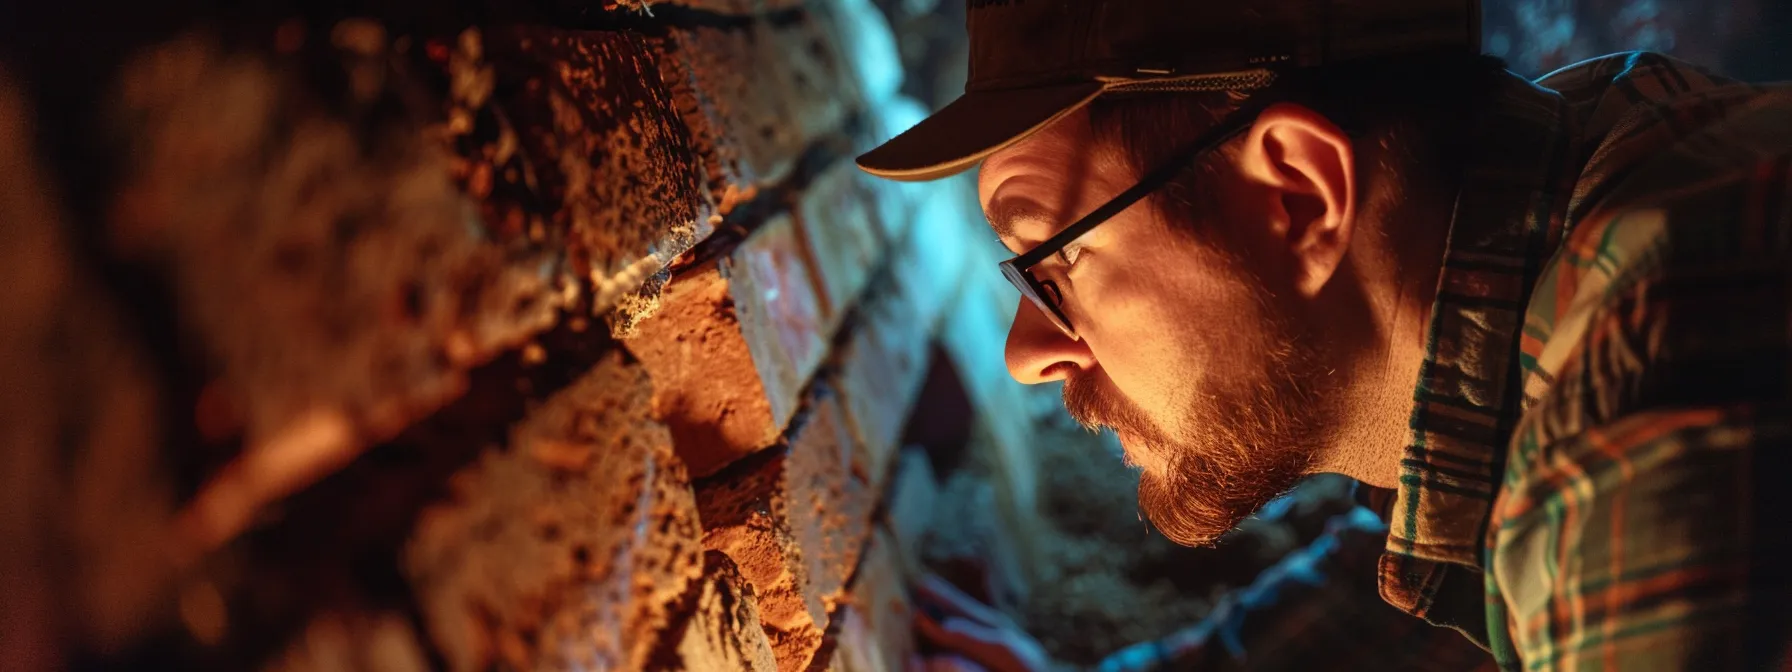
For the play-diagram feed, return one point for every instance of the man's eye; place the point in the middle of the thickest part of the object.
(1069, 253)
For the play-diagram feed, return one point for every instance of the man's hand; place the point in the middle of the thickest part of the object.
(980, 636)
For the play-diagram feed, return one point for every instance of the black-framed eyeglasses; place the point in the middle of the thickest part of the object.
(1045, 293)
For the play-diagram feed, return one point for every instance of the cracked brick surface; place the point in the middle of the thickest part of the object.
(566, 549)
(706, 388)
(795, 520)
(839, 216)
(322, 261)
(885, 358)
(771, 307)
(364, 246)
(779, 304)
(755, 97)
(88, 500)
(571, 139)
(724, 630)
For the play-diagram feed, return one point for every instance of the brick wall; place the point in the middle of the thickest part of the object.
(466, 336)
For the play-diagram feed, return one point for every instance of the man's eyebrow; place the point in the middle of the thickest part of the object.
(1006, 214)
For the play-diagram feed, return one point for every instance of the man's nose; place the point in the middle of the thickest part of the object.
(1038, 352)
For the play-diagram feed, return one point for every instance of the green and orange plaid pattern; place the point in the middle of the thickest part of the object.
(1604, 413)
(1600, 471)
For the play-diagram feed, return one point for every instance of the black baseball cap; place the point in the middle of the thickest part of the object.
(1034, 61)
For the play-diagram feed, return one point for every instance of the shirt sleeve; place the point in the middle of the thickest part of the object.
(1318, 608)
(1656, 541)
(1646, 518)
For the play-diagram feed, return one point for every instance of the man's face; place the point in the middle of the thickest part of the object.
(1191, 349)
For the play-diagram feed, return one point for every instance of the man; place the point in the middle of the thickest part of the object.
(1552, 322)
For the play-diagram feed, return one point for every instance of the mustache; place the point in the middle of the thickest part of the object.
(1086, 401)
(1093, 401)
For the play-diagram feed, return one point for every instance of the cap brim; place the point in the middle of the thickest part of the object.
(968, 130)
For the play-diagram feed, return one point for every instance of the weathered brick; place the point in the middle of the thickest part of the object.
(780, 311)
(756, 97)
(876, 629)
(577, 142)
(724, 631)
(89, 498)
(324, 268)
(795, 519)
(839, 216)
(885, 359)
(763, 310)
(705, 387)
(881, 369)
(565, 549)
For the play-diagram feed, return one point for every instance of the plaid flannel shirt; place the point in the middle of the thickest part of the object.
(1600, 470)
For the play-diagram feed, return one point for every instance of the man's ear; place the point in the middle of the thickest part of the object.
(1309, 167)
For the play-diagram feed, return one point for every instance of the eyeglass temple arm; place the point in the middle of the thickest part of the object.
(1152, 181)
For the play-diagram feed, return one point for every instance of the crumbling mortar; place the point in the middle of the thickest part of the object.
(744, 219)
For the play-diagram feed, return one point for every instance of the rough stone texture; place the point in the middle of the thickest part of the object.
(705, 387)
(876, 627)
(881, 369)
(321, 259)
(353, 642)
(885, 359)
(724, 631)
(566, 549)
(794, 519)
(577, 141)
(779, 307)
(755, 97)
(839, 219)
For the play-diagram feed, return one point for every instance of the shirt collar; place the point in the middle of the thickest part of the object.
(1509, 211)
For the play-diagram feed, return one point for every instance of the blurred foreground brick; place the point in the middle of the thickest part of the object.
(353, 642)
(329, 277)
(308, 352)
(566, 549)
